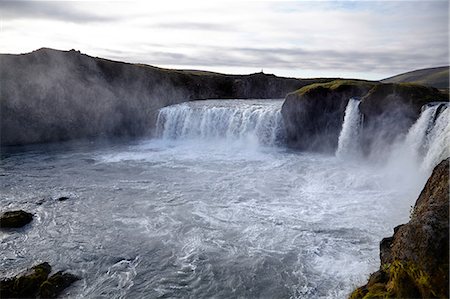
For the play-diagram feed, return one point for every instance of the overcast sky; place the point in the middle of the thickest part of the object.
(364, 39)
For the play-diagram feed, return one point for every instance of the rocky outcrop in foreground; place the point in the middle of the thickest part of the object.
(36, 283)
(314, 114)
(50, 95)
(414, 261)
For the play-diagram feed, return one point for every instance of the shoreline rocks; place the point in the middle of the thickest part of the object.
(415, 260)
(15, 219)
(36, 283)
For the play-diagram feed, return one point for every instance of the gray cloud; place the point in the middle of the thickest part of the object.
(61, 11)
(299, 58)
(194, 26)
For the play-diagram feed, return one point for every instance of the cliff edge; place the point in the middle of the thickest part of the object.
(414, 261)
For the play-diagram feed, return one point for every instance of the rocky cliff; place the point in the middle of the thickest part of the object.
(51, 95)
(414, 261)
(314, 114)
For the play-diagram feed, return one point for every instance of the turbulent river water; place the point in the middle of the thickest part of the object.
(213, 207)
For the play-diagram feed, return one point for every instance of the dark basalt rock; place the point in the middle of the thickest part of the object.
(15, 219)
(55, 284)
(389, 110)
(26, 285)
(35, 283)
(415, 260)
(313, 115)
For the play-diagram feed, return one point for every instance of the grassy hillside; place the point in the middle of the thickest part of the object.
(437, 77)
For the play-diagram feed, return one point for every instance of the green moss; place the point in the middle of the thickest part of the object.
(336, 85)
(405, 280)
(358, 293)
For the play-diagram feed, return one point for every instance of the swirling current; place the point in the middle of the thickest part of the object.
(213, 207)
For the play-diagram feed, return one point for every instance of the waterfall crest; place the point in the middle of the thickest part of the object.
(349, 143)
(246, 120)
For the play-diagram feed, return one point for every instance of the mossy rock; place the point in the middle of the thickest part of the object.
(15, 219)
(339, 85)
(313, 115)
(55, 284)
(415, 261)
(27, 285)
(35, 283)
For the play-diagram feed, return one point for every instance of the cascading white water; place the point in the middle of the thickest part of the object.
(426, 143)
(246, 120)
(438, 141)
(416, 139)
(348, 144)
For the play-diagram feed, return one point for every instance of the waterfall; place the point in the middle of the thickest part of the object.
(246, 120)
(416, 139)
(426, 143)
(349, 143)
(438, 141)
(428, 140)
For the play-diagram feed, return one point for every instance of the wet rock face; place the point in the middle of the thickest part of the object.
(313, 115)
(15, 219)
(389, 110)
(36, 283)
(414, 261)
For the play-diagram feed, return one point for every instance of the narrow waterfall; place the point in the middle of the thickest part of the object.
(349, 144)
(245, 120)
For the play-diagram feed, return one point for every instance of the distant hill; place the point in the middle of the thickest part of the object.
(437, 77)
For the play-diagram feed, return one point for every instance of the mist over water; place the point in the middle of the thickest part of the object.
(214, 206)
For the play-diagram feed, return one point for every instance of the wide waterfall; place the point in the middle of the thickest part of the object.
(234, 120)
(349, 145)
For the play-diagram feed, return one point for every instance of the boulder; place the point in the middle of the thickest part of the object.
(414, 261)
(36, 283)
(26, 285)
(313, 115)
(55, 284)
(15, 219)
